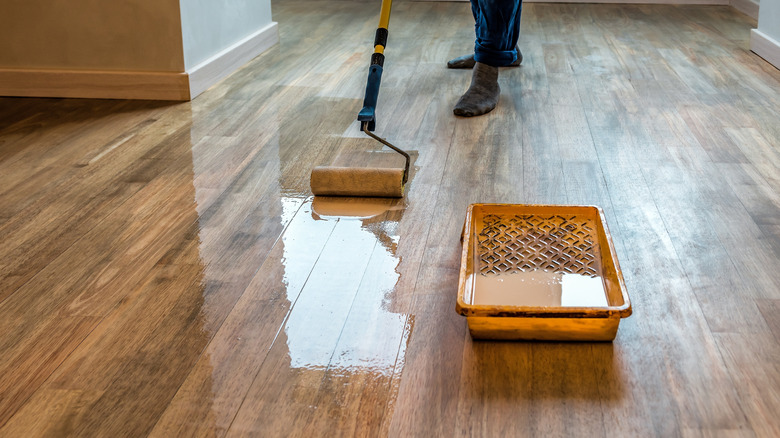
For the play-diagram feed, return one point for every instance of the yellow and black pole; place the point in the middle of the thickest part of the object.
(367, 115)
(356, 181)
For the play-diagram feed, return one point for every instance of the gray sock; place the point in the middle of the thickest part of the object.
(467, 61)
(482, 95)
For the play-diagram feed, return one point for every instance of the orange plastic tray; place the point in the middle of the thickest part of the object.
(540, 272)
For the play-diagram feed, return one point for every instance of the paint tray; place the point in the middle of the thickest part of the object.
(540, 272)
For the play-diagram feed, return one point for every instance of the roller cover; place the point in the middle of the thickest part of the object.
(355, 181)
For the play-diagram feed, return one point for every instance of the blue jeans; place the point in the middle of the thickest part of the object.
(497, 26)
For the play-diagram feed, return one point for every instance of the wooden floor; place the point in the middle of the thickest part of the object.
(164, 270)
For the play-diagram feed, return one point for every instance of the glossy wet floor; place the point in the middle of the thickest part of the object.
(164, 270)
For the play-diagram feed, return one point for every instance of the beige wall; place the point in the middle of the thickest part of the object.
(128, 35)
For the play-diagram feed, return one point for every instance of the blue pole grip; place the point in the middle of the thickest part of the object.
(368, 113)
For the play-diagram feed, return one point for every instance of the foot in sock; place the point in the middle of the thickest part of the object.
(482, 95)
(467, 61)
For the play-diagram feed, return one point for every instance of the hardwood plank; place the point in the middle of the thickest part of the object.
(134, 384)
(768, 309)
(42, 231)
(726, 300)
(221, 255)
(233, 251)
(357, 385)
(669, 317)
(518, 389)
(712, 136)
(33, 313)
(438, 333)
(49, 413)
(225, 372)
(542, 173)
(752, 363)
(428, 392)
(70, 146)
(88, 265)
(762, 155)
(25, 373)
(296, 363)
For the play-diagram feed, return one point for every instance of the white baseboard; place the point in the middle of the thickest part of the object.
(221, 65)
(94, 84)
(747, 7)
(765, 46)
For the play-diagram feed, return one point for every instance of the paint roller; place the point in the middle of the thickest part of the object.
(370, 182)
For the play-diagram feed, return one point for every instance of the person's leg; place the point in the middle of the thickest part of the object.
(482, 95)
(467, 61)
(497, 28)
(506, 8)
